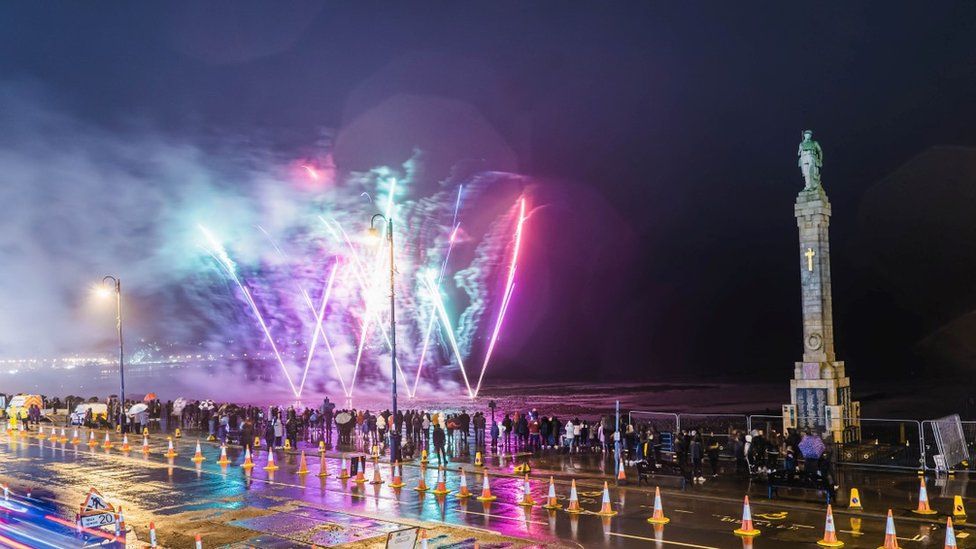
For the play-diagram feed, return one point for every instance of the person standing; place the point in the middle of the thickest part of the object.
(507, 432)
(439, 442)
(247, 435)
(479, 430)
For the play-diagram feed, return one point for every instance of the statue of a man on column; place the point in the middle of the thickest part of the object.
(811, 159)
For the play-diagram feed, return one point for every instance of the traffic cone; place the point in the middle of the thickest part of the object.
(527, 500)
(343, 470)
(361, 471)
(198, 455)
(223, 456)
(271, 462)
(199, 543)
(478, 461)
(574, 506)
(177, 433)
(486, 491)
(152, 535)
(746, 529)
(125, 443)
(890, 540)
(145, 430)
(377, 477)
(302, 465)
(958, 509)
(257, 442)
(323, 467)
(950, 535)
(397, 481)
(108, 442)
(376, 452)
(170, 451)
(121, 523)
(321, 446)
(605, 509)
(211, 438)
(54, 435)
(441, 487)
(423, 456)
(422, 484)
(923, 500)
(855, 501)
(145, 444)
(463, 491)
(658, 516)
(247, 459)
(287, 444)
(621, 474)
(74, 437)
(830, 533)
(63, 438)
(551, 501)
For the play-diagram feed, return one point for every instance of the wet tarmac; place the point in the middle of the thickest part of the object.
(285, 509)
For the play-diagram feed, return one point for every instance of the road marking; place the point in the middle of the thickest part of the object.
(678, 543)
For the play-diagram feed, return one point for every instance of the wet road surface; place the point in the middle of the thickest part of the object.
(167, 491)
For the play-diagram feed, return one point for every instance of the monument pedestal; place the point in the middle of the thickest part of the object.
(820, 391)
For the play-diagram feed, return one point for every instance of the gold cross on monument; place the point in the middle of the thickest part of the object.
(810, 253)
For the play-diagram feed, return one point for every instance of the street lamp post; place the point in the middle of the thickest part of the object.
(394, 429)
(117, 282)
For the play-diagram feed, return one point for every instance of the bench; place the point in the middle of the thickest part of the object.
(800, 480)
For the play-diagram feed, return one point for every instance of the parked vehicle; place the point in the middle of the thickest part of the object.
(99, 412)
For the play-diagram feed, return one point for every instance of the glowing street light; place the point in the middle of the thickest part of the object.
(105, 290)
(394, 433)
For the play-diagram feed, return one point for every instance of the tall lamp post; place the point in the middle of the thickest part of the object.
(117, 282)
(394, 429)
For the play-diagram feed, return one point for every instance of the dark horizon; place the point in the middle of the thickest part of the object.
(660, 139)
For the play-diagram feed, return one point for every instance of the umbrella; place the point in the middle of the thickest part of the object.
(178, 406)
(206, 404)
(150, 397)
(228, 408)
(343, 418)
(138, 409)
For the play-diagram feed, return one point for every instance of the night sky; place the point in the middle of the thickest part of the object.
(664, 134)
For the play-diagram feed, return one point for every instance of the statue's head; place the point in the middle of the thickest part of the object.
(807, 135)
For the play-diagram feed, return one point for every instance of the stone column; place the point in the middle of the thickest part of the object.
(820, 390)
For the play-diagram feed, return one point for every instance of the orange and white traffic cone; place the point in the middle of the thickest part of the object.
(323, 467)
(441, 487)
(91, 439)
(145, 444)
(302, 464)
(63, 438)
(605, 509)
(923, 500)
(890, 539)
(170, 451)
(198, 455)
(377, 477)
(621, 474)
(125, 443)
(527, 500)
(108, 442)
(658, 516)
(830, 532)
(271, 466)
(343, 470)
(574, 506)
(746, 529)
(950, 535)
(552, 502)
(248, 464)
(223, 456)
(121, 522)
(422, 484)
(361, 471)
(54, 435)
(152, 535)
(199, 542)
(463, 491)
(486, 494)
(397, 481)
(74, 437)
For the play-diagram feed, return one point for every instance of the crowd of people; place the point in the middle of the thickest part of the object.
(448, 434)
